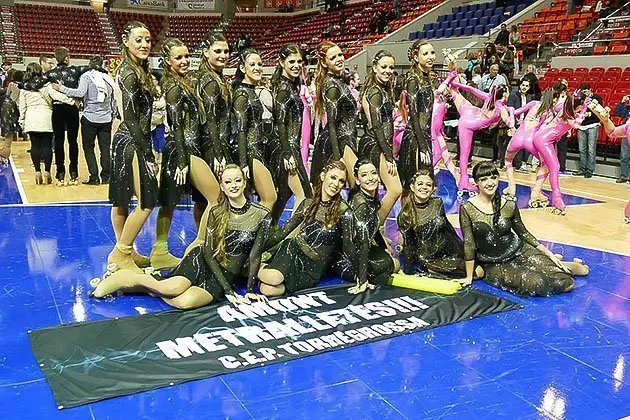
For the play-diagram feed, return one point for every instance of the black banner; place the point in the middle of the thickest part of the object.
(93, 361)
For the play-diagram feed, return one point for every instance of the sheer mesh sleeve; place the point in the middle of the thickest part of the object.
(281, 233)
(420, 133)
(375, 101)
(211, 92)
(257, 250)
(175, 114)
(130, 87)
(347, 230)
(521, 230)
(283, 97)
(208, 253)
(362, 240)
(331, 97)
(465, 223)
(240, 106)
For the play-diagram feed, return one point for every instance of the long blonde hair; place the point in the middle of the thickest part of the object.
(169, 75)
(321, 73)
(220, 220)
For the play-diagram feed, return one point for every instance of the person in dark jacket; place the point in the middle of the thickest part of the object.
(518, 98)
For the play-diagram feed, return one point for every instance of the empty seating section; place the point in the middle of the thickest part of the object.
(611, 84)
(263, 28)
(191, 29)
(42, 28)
(554, 25)
(155, 23)
(469, 19)
(613, 38)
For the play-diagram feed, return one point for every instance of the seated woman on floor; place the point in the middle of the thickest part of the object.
(232, 233)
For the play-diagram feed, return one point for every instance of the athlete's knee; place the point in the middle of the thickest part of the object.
(270, 277)
(270, 291)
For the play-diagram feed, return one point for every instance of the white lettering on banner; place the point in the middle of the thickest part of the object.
(186, 346)
(155, 4)
(195, 5)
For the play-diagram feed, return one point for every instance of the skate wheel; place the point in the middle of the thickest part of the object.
(472, 193)
(533, 204)
(399, 248)
(95, 282)
(626, 219)
(148, 270)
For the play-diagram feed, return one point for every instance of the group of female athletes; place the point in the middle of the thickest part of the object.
(227, 138)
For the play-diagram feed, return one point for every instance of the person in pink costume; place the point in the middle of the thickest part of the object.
(553, 127)
(307, 100)
(400, 125)
(473, 119)
(438, 138)
(621, 131)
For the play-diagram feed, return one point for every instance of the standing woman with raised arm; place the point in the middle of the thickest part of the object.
(182, 162)
(376, 145)
(334, 104)
(247, 111)
(214, 94)
(134, 171)
(415, 148)
(288, 116)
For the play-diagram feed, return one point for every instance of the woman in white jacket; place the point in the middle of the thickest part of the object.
(36, 120)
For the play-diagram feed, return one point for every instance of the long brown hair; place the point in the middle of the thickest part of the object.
(370, 78)
(408, 217)
(141, 70)
(412, 54)
(321, 73)
(220, 219)
(334, 210)
(169, 75)
(204, 68)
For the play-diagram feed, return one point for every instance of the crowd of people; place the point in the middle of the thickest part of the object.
(225, 141)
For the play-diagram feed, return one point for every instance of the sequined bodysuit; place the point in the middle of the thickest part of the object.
(341, 129)
(507, 252)
(245, 238)
(247, 112)
(379, 135)
(431, 243)
(216, 110)
(9, 114)
(133, 139)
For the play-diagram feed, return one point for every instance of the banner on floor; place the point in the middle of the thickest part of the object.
(92, 361)
(151, 4)
(195, 5)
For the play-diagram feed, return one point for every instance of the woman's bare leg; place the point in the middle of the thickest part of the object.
(127, 279)
(193, 297)
(349, 159)
(271, 282)
(263, 183)
(393, 187)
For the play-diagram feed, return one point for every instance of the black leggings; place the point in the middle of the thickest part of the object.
(41, 149)
(66, 118)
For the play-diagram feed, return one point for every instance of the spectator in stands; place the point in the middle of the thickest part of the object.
(473, 60)
(506, 63)
(588, 134)
(533, 82)
(518, 98)
(48, 62)
(492, 79)
(623, 110)
(515, 36)
(382, 22)
(397, 9)
(7, 69)
(489, 52)
(476, 76)
(503, 37)
(99, 109)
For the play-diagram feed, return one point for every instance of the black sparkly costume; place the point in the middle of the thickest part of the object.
(184, 119)
(507, 252)
(431, 243)
(133, 139)
(244, 243)
(378, 137)
(417, 136)
(371, 262)
(247, 111)
(341, 128)
(304, 258)
(216, 110)
(288, 112)
(9, 114)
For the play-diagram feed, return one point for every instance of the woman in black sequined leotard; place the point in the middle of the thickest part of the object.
(431, 244)
(415, 148)
(247, 113)
(495, 236)
(133, 169)
(335, 105)
(234, 239)
(377, 99)
(373, 261)
(290, 174)
(214, 94)
(183, 165)
(310, 237)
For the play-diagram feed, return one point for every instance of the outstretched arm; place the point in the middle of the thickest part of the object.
(526, 108)
(475, 92)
